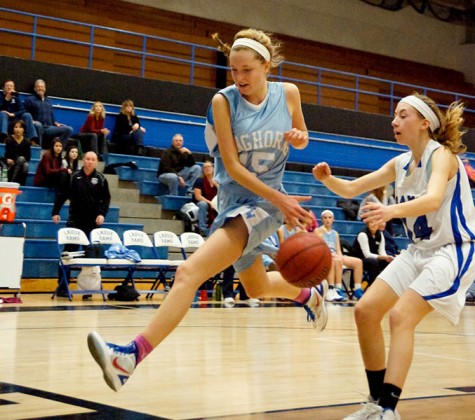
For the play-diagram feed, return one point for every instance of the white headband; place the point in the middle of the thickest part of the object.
(424, 109)
(256, 46)
(327, 212)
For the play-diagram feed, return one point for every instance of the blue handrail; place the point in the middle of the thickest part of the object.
(395, 90)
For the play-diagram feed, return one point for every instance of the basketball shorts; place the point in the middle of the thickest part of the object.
(262, 219)
(441, 276)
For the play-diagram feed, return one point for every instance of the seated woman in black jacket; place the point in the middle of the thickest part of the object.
(128, 132)
(17, 154)
(370, 246)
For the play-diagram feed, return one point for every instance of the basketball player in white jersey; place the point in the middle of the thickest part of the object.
(251, 126)
(435, 202)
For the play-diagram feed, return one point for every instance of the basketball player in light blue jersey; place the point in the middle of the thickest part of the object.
(251, 126)
(435, 203)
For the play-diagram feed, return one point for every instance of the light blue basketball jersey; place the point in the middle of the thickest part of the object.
(259, 132)
(330, 239)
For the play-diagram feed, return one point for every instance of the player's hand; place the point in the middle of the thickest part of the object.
(321, 171)
(296, 138)
(376, 212)
(294, 214)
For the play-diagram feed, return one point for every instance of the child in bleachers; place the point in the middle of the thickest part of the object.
(332, 239)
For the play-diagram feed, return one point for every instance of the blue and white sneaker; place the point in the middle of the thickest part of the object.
(358, 293)
(117, 362)
(317, 312)
(342, 294)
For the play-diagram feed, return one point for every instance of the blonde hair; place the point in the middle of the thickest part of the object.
(103, 113)
(450, 132)
(126, 103)
(257, 35)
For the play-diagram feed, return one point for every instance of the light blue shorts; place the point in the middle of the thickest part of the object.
(261, 218)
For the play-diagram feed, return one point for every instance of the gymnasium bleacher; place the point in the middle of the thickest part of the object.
(140, 202)
(34, 204)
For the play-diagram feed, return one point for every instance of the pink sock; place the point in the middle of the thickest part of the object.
(303, 296)
(143, 347)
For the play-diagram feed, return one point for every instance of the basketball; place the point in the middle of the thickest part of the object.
(304, 260)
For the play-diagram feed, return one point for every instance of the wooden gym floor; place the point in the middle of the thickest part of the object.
(236, 363)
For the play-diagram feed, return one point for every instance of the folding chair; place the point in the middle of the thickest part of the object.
(139, 240)
(74, 260)
(164, 242)
(191, 242)
(105, 236)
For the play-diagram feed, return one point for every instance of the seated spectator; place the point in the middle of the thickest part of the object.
(470, 295)
(378, 195)
(204, 190)
(17, 154)
(41, 109)
(335, 277)
(314, 225)
(270, 248)
(390, 244)
(177, 167)
(370, 246)
(12, 109)
(470, 172)
(50, 172)
(93, 134)
(128, 133)
(71, 159)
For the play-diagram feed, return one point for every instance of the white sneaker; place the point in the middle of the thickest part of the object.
(373, 411)
(370, 410)
(229, 302)
(252, 302)
(333, 296)
(117, 362)
(317, 312)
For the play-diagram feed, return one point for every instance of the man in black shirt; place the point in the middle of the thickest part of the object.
(89, 201)
(177, 167)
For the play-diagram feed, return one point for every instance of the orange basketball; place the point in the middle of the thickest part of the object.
(304, 259)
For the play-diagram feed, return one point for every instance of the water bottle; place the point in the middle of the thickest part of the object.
(218, 295)
(4, 174)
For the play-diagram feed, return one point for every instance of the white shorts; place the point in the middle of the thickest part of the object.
(441, 276)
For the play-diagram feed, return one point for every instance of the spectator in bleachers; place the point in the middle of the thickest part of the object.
(41, 109)
(314, 225)
(470, 172)
(335, 277)
(71, 158)
(50, 172)
(17, 154)
(93, 134)
(378, 195)
(178, 167)
(391, 245)
(12, 109)
(128, 133)
(89, 201)
(370, 246)
(205, 189)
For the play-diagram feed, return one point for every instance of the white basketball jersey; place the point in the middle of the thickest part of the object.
(454, 221)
